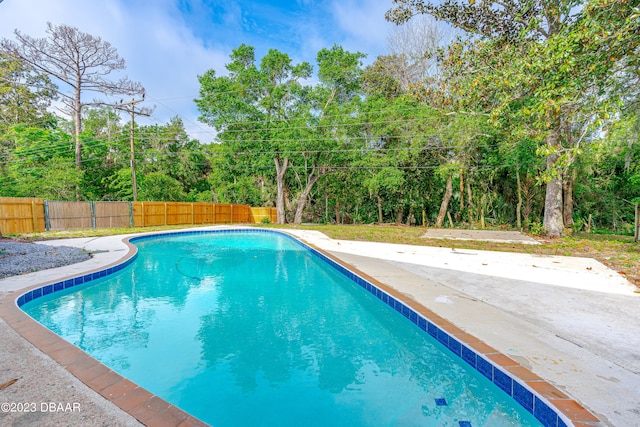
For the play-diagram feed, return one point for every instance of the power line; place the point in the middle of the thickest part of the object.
(362, 149)
(308, 139)
(183, 118)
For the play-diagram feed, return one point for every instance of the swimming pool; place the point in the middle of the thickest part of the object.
(253, 328)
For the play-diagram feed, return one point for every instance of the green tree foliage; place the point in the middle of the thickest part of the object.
(24, 94)
(41, 164)
(331, 124)
(167, 149)
(258, 108)
(119, 186)
(509, 20)
(380, 78)
(541, 69)
(105, 153)
(266, 111)
(400, 154)
(611, 178)
(24, 99)
(543, 93)
(156, 186)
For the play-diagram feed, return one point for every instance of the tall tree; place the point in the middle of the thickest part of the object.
(331, 121)
(400, 149)
(77, 59)
(530, 62)
(25, 94)
(258, 108)
(24, 98)
(504, 23)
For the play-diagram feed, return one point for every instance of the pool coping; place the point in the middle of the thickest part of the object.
(549, 405)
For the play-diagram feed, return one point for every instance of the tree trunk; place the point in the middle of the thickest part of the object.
(567, 198)
(399, 215)
(628, 156)
(470, 203)
(529, 193)
(461, 191)
(326, 206)
(553, 221)
(519, 207)
(411, 218)
(78, 129)
(448, 191)
(379, 209)
(483, 203)
(636, 228)
(302, 200)
(281, 170)
(77, 117)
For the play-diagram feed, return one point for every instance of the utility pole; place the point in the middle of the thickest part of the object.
(130, 107)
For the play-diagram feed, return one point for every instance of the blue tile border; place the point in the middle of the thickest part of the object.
(70, 283)
(523, 396)
(544, 413)
(513, 386)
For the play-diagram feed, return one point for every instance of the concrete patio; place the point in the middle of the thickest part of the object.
(571, 321)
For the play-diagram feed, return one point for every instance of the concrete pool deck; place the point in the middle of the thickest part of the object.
(573, 322)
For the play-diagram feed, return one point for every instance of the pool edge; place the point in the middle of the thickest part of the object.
(569, 411)
(145, 407)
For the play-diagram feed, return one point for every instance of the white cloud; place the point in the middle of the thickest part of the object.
(363, 24)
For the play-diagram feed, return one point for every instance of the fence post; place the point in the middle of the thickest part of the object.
(165, 213)
(92, 208)
(231, 219)
(193, 218)
(47, 220)
(131, 223)
(33, 216)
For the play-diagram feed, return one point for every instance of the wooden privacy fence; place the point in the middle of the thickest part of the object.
(146, 214)
(18, 215)
(70, 215)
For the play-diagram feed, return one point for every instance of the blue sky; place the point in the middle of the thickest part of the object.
(168, 43)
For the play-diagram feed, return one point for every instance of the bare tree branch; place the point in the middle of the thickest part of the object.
(77, 59)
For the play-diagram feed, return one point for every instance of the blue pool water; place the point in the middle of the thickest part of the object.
(252, 329)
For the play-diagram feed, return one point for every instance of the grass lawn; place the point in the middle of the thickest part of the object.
(620, 253)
